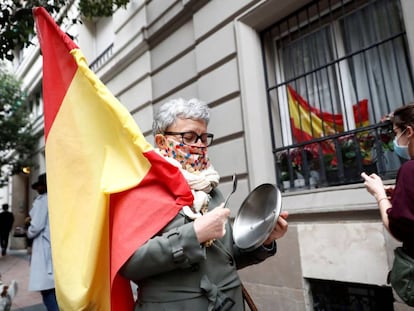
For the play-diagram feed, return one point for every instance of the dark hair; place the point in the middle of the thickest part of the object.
(403, 116)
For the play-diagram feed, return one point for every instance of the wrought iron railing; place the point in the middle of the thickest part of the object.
(102, 58)
(337, 159)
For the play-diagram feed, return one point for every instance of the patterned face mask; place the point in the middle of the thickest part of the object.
(190, 157)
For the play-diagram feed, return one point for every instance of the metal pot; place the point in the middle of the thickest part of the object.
(257, 216)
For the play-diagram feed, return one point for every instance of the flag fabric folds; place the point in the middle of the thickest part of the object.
(360, 111)
(109, 191)
(309, 122)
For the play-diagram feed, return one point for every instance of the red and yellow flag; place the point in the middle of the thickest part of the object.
(309, 122)
(361, 113)
(109, 191)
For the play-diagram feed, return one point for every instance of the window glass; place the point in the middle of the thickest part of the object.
(343, 70)
(335, 69)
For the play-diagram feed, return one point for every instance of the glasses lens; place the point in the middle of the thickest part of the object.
(189, 138)
(207, 139)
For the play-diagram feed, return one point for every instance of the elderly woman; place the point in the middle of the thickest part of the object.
(192, 264)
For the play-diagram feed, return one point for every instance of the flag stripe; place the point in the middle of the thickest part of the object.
(123, 209)
(309, 122)
(105, 181)
(361, 113)
(61, 71)
(144, 195)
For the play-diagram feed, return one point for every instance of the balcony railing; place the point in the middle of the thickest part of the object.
(102, 58)
(338, 159)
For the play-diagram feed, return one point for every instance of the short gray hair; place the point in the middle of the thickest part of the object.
(170, 111)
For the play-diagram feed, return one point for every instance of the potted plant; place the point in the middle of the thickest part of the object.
(284, 169)
(331, 169)
(362, 143)
(296, 165)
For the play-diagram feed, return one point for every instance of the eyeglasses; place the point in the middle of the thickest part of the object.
(191, 138)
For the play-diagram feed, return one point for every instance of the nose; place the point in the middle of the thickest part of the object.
(198, 142)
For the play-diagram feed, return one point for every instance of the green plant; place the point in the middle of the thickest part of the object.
(283, 165)
(366, 141)
(387, 135)
(284, 176)
(93, 8)
(17, 141)
(17, 24)
(329, 161)
(353, 144)
(297, 160)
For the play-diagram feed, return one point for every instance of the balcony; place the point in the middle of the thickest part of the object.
(102, 58)
(337, 159)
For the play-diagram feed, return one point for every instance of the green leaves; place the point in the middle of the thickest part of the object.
(17, 141)
(17, 24)
(100, 8)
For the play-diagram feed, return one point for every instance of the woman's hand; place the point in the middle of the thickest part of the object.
(389, 191)
(212, 225)
(280, 228)
(374, 185)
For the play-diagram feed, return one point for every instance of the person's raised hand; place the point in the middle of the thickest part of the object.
(212, 225)
(374, 185)
(389, 190)
(279, 229)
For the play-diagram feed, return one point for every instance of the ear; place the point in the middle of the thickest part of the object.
(160, 141)
(410, 131)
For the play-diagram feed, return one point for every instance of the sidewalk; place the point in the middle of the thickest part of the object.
(15, 266)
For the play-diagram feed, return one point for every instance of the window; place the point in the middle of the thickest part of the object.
(335, 69)
(103, 41)
(332, 295)
(35, 104)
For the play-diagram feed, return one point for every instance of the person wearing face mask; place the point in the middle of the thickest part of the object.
(396, 203)
(192, 263)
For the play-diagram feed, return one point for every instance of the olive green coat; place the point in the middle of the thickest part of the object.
(173, 272)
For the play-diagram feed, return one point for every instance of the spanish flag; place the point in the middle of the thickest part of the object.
(109, 191)
(309, 122)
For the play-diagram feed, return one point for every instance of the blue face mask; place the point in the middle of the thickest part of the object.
(402, 151)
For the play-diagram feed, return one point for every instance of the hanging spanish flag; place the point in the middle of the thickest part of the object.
(109, 191)
(309, 122)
